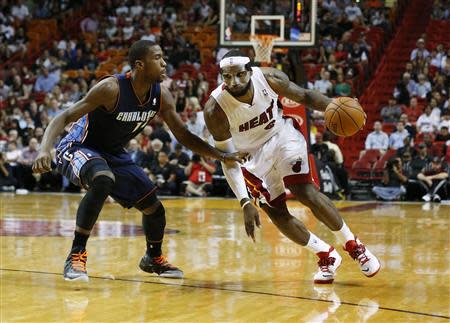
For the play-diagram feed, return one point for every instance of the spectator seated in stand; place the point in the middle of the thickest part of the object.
(179, 158)
(377, 139)
(434, 177)
(426, 122)
(27, 179)
(336, 162)
(414, 188)
(342, 88)
(136, 154)
(195, 125)
(444, 137)
(324, 85)
(46, 81)
(163, 174)
(393, 180)
(199, 172)
(7, 181)
(405, 88)
(397, 138)
(408, 126)
(423, 87)
(413, 110)
(407, 147)
(159, 132)
(419, 49)
(392, 111)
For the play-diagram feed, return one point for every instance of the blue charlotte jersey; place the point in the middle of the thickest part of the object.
(111, 131)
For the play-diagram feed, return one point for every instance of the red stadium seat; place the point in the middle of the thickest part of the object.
(370, 156)
(378, 170)
(361, 170)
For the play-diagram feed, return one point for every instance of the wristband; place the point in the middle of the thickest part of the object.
(245, 203)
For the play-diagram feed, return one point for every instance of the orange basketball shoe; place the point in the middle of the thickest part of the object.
(328, 263)
(75, 266)
(368, 263)
(160, 265)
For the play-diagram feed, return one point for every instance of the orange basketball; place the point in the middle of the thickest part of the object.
(344, 116)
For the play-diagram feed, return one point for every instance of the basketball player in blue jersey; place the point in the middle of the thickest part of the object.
(243, 114)
(92, 154)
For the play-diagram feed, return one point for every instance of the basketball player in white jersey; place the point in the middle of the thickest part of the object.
(243, 114)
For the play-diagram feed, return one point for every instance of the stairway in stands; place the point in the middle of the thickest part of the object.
(414, 23)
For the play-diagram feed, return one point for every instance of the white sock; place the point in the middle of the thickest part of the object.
(316, 245)
(344, 234)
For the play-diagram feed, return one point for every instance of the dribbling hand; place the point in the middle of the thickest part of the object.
(251, 217)
(43, 162)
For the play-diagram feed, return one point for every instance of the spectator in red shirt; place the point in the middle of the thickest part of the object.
(200, 171)
(341, 54)
(413, 110)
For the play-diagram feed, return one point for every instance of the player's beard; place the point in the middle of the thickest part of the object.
(243, 91)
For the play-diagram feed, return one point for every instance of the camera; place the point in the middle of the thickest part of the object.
(391, 163)
(196, 158)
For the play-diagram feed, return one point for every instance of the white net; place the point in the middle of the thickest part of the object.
(262, 44)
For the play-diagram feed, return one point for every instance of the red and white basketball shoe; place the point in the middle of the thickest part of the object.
(368, 263)
(328, 263)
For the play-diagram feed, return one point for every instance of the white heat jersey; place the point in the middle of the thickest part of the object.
(251, 125)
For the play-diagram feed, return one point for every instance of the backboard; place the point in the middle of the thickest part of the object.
(293, 21)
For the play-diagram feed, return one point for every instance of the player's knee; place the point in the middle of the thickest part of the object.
(156, 209)
(277, 215)
(104, 173)
(306, 193)
(97, 168)
(102, 183)
(149, 205)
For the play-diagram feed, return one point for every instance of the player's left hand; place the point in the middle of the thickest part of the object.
(231, 158)
(251, 217)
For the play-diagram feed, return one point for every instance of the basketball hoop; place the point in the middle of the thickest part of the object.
(263, 44)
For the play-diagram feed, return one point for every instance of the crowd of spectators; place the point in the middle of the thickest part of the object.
(340, 55)
(32, 93)
(417, 123)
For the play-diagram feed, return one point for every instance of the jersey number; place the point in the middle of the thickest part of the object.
(139, 125)
(270, 125)
(201, 176)
(68, 156)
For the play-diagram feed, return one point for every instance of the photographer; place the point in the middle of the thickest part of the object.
(7, 180)
(200, 172)
(393, 180)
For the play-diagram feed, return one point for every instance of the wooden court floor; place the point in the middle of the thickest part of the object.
(228, 278)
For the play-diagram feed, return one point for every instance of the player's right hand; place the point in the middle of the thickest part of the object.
(43, 162)
(251, 217)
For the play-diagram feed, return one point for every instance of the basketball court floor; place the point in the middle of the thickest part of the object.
(228, 278)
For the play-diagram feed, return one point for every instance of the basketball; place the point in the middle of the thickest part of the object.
(344, 116)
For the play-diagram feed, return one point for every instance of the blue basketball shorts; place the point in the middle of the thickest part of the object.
(132, 185)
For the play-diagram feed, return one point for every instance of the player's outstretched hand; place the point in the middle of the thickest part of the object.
(43, 162)
(240, 157)
(251, 217)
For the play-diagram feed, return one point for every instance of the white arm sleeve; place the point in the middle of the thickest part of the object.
(233, 174)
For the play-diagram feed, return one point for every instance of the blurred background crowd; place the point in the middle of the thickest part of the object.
(52, 52)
